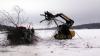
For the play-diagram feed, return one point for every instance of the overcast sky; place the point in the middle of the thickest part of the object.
(81, 11)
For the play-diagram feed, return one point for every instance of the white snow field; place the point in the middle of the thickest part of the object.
(85, 43)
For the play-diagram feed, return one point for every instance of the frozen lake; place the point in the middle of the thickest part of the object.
(85, 43)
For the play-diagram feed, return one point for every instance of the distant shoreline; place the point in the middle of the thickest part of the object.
(83, 26)
(88, 26)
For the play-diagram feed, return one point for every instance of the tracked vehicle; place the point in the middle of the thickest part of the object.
(65, 30)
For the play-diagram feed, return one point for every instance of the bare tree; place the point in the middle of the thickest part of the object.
(14, 19)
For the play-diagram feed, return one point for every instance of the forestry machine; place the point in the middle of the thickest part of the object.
(64, 31)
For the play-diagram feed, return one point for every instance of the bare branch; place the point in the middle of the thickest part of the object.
(16, 19)
(9, 17)
(18, 10)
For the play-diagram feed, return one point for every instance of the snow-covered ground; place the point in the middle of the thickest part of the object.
(85, 43)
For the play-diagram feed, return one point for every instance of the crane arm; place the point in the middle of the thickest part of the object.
(62, 16)
(67, 19)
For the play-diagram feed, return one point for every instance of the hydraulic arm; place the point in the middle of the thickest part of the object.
(63, 30)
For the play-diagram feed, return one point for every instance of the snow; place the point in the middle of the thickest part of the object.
(85, 43)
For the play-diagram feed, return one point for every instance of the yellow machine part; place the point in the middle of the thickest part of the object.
(72, 34)
(61, 36)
